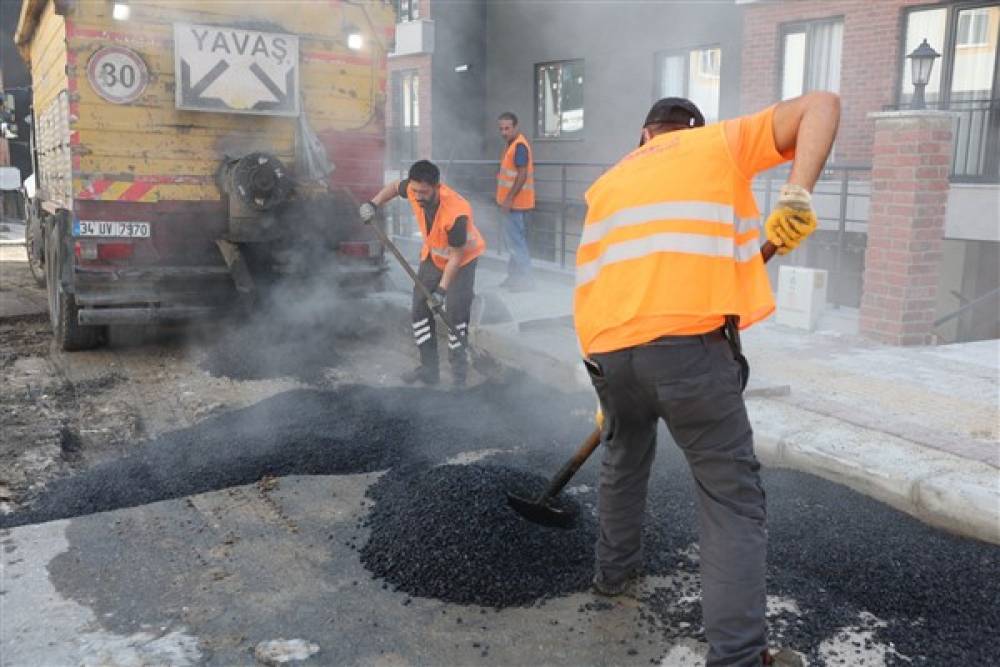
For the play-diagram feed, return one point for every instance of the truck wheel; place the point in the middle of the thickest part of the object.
(70, 335)
(35, 245)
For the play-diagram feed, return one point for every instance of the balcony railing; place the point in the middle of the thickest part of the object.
(976, 156)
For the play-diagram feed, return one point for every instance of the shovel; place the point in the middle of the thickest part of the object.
(541, 510)
(481, 360)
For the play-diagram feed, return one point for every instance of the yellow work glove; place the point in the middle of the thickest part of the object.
(792, 220)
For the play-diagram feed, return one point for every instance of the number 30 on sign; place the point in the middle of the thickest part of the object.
(117, 74)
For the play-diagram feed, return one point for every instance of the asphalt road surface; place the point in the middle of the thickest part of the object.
(906, 593)
(180, 499)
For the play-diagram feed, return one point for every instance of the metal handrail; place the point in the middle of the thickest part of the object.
(968, 306)
(844, 283)
(560, 208)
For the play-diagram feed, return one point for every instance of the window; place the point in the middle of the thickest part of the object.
(965, 72)
(973, 27)
(962, 80)
(559, 93)
(694, 74)
(407, 10)
(411, 100)
(810, 57)
(406, 115)
(929, 24)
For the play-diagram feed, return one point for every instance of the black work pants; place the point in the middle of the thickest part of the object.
(458, 307)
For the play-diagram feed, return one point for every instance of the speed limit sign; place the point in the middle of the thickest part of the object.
(117, 74)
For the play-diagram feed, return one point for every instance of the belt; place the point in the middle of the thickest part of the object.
(714, 335)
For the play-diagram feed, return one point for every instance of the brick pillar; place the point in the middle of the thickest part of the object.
(911, 161)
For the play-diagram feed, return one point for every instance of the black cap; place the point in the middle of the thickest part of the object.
(675, 110)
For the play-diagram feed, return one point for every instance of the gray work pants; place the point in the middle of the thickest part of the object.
(693, 384)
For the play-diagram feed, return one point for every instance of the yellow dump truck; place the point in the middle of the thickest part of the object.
(187, 150)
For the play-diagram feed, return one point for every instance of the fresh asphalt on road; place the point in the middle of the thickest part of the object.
(836, 553)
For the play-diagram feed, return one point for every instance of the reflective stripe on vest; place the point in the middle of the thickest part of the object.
(525, 197)
(669, 210)
(691, 244)
(695, 244)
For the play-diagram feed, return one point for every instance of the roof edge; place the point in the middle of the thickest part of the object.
(27, 22)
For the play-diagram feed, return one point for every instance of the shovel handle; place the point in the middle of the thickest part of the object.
(568, 470)
(426, 293)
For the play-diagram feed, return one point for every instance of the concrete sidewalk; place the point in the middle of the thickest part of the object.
(914, 427)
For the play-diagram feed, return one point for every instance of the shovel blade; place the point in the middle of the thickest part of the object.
(541, 513)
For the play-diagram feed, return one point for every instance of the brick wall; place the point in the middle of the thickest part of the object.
(870, 66)
(912, 159)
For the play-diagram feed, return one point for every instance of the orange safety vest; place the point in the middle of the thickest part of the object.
(670, 245)
(451, 206)
(525, 198)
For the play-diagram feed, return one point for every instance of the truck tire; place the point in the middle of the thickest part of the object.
(70, 335)
(34, 243)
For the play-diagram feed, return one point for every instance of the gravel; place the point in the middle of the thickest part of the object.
(446, 532)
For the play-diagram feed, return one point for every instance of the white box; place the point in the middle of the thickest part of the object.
(414, 37)
(801, 296)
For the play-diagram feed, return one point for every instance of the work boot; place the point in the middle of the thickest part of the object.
(614, 589)
(782, 657)
(427, 374)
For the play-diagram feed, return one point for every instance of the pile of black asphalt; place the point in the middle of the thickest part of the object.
(445, 532)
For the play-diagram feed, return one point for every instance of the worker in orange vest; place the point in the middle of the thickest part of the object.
(516, 198)
(448, 258)
(670, 252)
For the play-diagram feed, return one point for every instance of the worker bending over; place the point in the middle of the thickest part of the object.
(448, 257)
(670, 252)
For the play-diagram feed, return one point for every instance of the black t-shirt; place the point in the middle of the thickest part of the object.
(459, 233)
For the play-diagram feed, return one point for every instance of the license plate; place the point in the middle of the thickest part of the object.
(101, 228)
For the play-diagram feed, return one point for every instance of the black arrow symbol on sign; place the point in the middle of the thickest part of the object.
(191, 95)
(280, 95)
